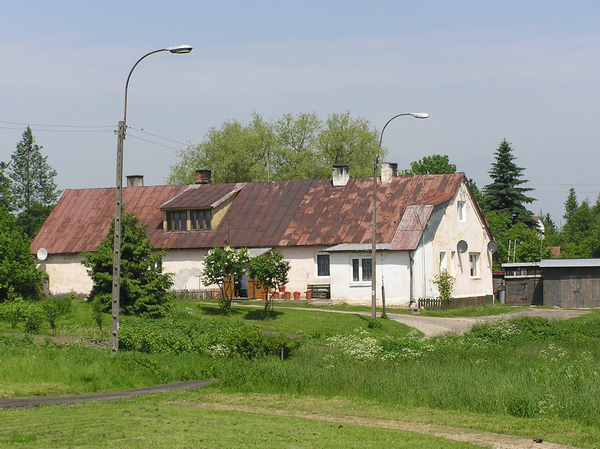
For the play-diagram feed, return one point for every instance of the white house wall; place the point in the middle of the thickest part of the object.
(303, 263)
(472, 230)
(67, 274)
(186, 266)
(391, 266)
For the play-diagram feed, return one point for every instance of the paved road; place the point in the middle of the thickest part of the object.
(110, 395)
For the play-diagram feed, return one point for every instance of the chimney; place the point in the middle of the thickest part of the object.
(135, 181)
(389, 170)
(203, 177)
(341, 175)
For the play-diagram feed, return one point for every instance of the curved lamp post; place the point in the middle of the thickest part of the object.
(421, 115)
(116, 284)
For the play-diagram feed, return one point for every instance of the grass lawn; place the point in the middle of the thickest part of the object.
(179, 420)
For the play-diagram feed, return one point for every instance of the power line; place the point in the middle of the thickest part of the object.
(154, 135)
(154, 143)
(57, 126)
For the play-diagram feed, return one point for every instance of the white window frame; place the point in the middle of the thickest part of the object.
(361, 261)
(443, 262)
(317, 265)
(474, 270)
(461, 211)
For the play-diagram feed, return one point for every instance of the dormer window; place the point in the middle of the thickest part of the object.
(189, 220)
(200, 219)
(177, 220)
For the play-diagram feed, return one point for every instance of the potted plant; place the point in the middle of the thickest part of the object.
(275, 295)
(264, 295)
(287, 295)
(308, 294)
(296, 295)
(281, 289)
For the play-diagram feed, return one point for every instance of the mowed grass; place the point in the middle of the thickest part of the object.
(299, 322)
(179, 420)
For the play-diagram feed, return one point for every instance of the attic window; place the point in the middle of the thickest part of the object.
(461, 211)
(176, 220)
(188, 220)
(200, 219)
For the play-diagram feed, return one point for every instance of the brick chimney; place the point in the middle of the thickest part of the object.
(389, 170)
(203, 177)
(135, 181)
(341, 175)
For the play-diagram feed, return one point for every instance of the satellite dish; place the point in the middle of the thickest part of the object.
(462, 247)
(493, 246)
(42, 254)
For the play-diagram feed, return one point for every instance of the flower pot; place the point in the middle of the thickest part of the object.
(287, 295)
(275, 295)
(264, 295)
(308, 294)
(296, 295)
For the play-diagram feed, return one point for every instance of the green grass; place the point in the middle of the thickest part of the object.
(524, 376)
(172, 420)
(303, 322)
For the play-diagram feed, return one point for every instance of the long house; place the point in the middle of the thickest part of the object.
(425, 224)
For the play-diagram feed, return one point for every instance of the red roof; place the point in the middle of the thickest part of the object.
(264, 214)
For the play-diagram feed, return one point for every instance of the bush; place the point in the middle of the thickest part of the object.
(34, 318)
(217, 339)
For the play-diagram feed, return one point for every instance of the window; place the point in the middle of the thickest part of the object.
(322, 264)
(443, 262)
(200, 219)
(452, 262)
(474, 265)
(461, 211)
(176, 220)
(361, 270)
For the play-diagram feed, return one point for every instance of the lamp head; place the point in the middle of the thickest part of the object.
(420, 114)
(179, 49)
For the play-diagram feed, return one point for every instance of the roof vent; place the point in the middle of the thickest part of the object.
(341, 175)
(135, 181)
(203, 177)
(389, 170)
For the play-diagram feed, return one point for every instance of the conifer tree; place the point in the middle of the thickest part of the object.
(505, 194)
(144, 286)
(32, 184)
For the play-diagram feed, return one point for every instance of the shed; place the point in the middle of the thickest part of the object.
(524, 285)
(571, 283)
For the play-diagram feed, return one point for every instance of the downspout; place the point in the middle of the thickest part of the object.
(411, 279)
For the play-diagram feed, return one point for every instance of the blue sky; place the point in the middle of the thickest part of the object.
(527, 71)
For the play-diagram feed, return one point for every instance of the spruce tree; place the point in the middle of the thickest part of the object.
(505, 194)
(144, 286)
(32, 184)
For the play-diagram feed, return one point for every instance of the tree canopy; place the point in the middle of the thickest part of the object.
(18, 272)
(31, 183)
(431, 165)
(144, 286)
(505, 194)
(290, 148)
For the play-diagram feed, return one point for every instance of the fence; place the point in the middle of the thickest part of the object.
(206, 293)
(454, 303)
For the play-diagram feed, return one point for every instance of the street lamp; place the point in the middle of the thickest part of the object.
(420, 115)
(122, 129)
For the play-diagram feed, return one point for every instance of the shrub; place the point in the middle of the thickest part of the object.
(34, 318)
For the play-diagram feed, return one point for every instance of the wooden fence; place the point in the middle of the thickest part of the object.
(454, 303)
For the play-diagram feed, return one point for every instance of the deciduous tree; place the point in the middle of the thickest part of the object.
(290, 148)
(431, 165)
(18, 272)
(271, 270)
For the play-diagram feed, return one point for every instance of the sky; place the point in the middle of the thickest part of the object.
(526, 71)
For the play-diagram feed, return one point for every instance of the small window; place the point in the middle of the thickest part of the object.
(176, 220)
(443, 262)
(474, 265)
(361, 270)
(452, 262)
(461, 211)
(322, 264)
(200, 219)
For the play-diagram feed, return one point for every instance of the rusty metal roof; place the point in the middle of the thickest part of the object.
(266, 214)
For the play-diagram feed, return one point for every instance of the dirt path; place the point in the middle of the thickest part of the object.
(481, 438)
(107, 396)
(433, 326)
